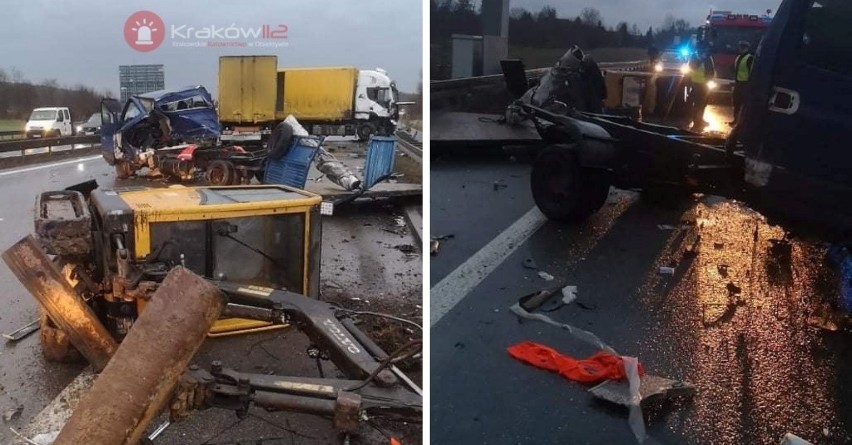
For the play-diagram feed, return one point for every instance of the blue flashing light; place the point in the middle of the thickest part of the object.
(684, 52)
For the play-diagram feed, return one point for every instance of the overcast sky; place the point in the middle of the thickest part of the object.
(645, 13)
(83, 41)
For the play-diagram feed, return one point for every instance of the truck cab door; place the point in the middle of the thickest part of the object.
(110, 109)
(797, 156)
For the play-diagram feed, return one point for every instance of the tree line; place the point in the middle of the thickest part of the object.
(544, 29)
(18, 97)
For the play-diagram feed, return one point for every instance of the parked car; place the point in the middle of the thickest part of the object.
(49, 122)
(91, 126)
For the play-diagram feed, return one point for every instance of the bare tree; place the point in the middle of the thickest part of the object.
(591, 16)
(547, 13)
(17, 75)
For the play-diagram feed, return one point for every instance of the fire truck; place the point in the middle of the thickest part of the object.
(722, 33)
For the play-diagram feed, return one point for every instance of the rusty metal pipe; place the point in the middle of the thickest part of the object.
(138, 381)
(287, 402)
(69, 312)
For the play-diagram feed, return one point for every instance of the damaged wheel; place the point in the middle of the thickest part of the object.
(564, 190)
(220, 173)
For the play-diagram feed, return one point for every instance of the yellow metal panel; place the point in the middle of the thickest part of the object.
(184, 204)
(326, 94)
(247, 89)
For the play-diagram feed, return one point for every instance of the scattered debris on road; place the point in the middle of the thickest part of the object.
(530, 263)
(546, 276)
(652, 389)
(21, 333)
(597, 368)
(13, 413)
(792, 439)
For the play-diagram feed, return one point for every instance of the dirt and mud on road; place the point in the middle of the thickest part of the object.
(371, 262)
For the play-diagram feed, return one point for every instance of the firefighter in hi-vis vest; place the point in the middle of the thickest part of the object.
(742, 71)
(701, 71)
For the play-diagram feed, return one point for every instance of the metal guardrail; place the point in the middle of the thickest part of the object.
(49, 143)
(410, 145)
(439, 86)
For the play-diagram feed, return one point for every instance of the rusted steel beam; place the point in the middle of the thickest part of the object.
(139, 379)
(45, 282)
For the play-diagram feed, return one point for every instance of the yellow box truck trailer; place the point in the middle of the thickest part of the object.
(254, 95)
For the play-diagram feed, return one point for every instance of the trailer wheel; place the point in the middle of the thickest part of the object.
(55, 345)
(220, 173)
(564, 190)
(365, 130)
(123, 170)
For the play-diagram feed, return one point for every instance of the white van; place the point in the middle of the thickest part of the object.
(49, 122)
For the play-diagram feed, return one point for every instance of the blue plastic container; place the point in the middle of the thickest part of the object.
(381, 154)
(292, 169)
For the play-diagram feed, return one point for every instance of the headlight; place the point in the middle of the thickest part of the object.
(711, 85)
(658, 67)
(685, 69)
(27, 127)
(79, 128)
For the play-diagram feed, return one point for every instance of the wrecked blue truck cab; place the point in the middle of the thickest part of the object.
(130, 135)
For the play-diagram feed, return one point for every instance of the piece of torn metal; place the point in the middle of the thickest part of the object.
(652, 388)
(21, 333)
(434, 247)
(336, 171)
(546, 276)
(792, 439)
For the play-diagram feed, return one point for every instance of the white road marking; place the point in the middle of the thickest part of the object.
(54, 416)
(459, 283)
(43, 166)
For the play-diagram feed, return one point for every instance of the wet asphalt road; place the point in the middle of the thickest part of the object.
(761, 371)
(359, 264)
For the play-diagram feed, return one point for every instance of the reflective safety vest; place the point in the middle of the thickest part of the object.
(741, 66)
(698, 74)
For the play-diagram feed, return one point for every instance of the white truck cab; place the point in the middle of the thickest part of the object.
(49, 122)
(376, 98)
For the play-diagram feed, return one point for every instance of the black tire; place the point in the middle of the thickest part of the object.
(564, 190)
(55, 345)
(220, 173)
(365, 130)
(123, 170)
(280, 141)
